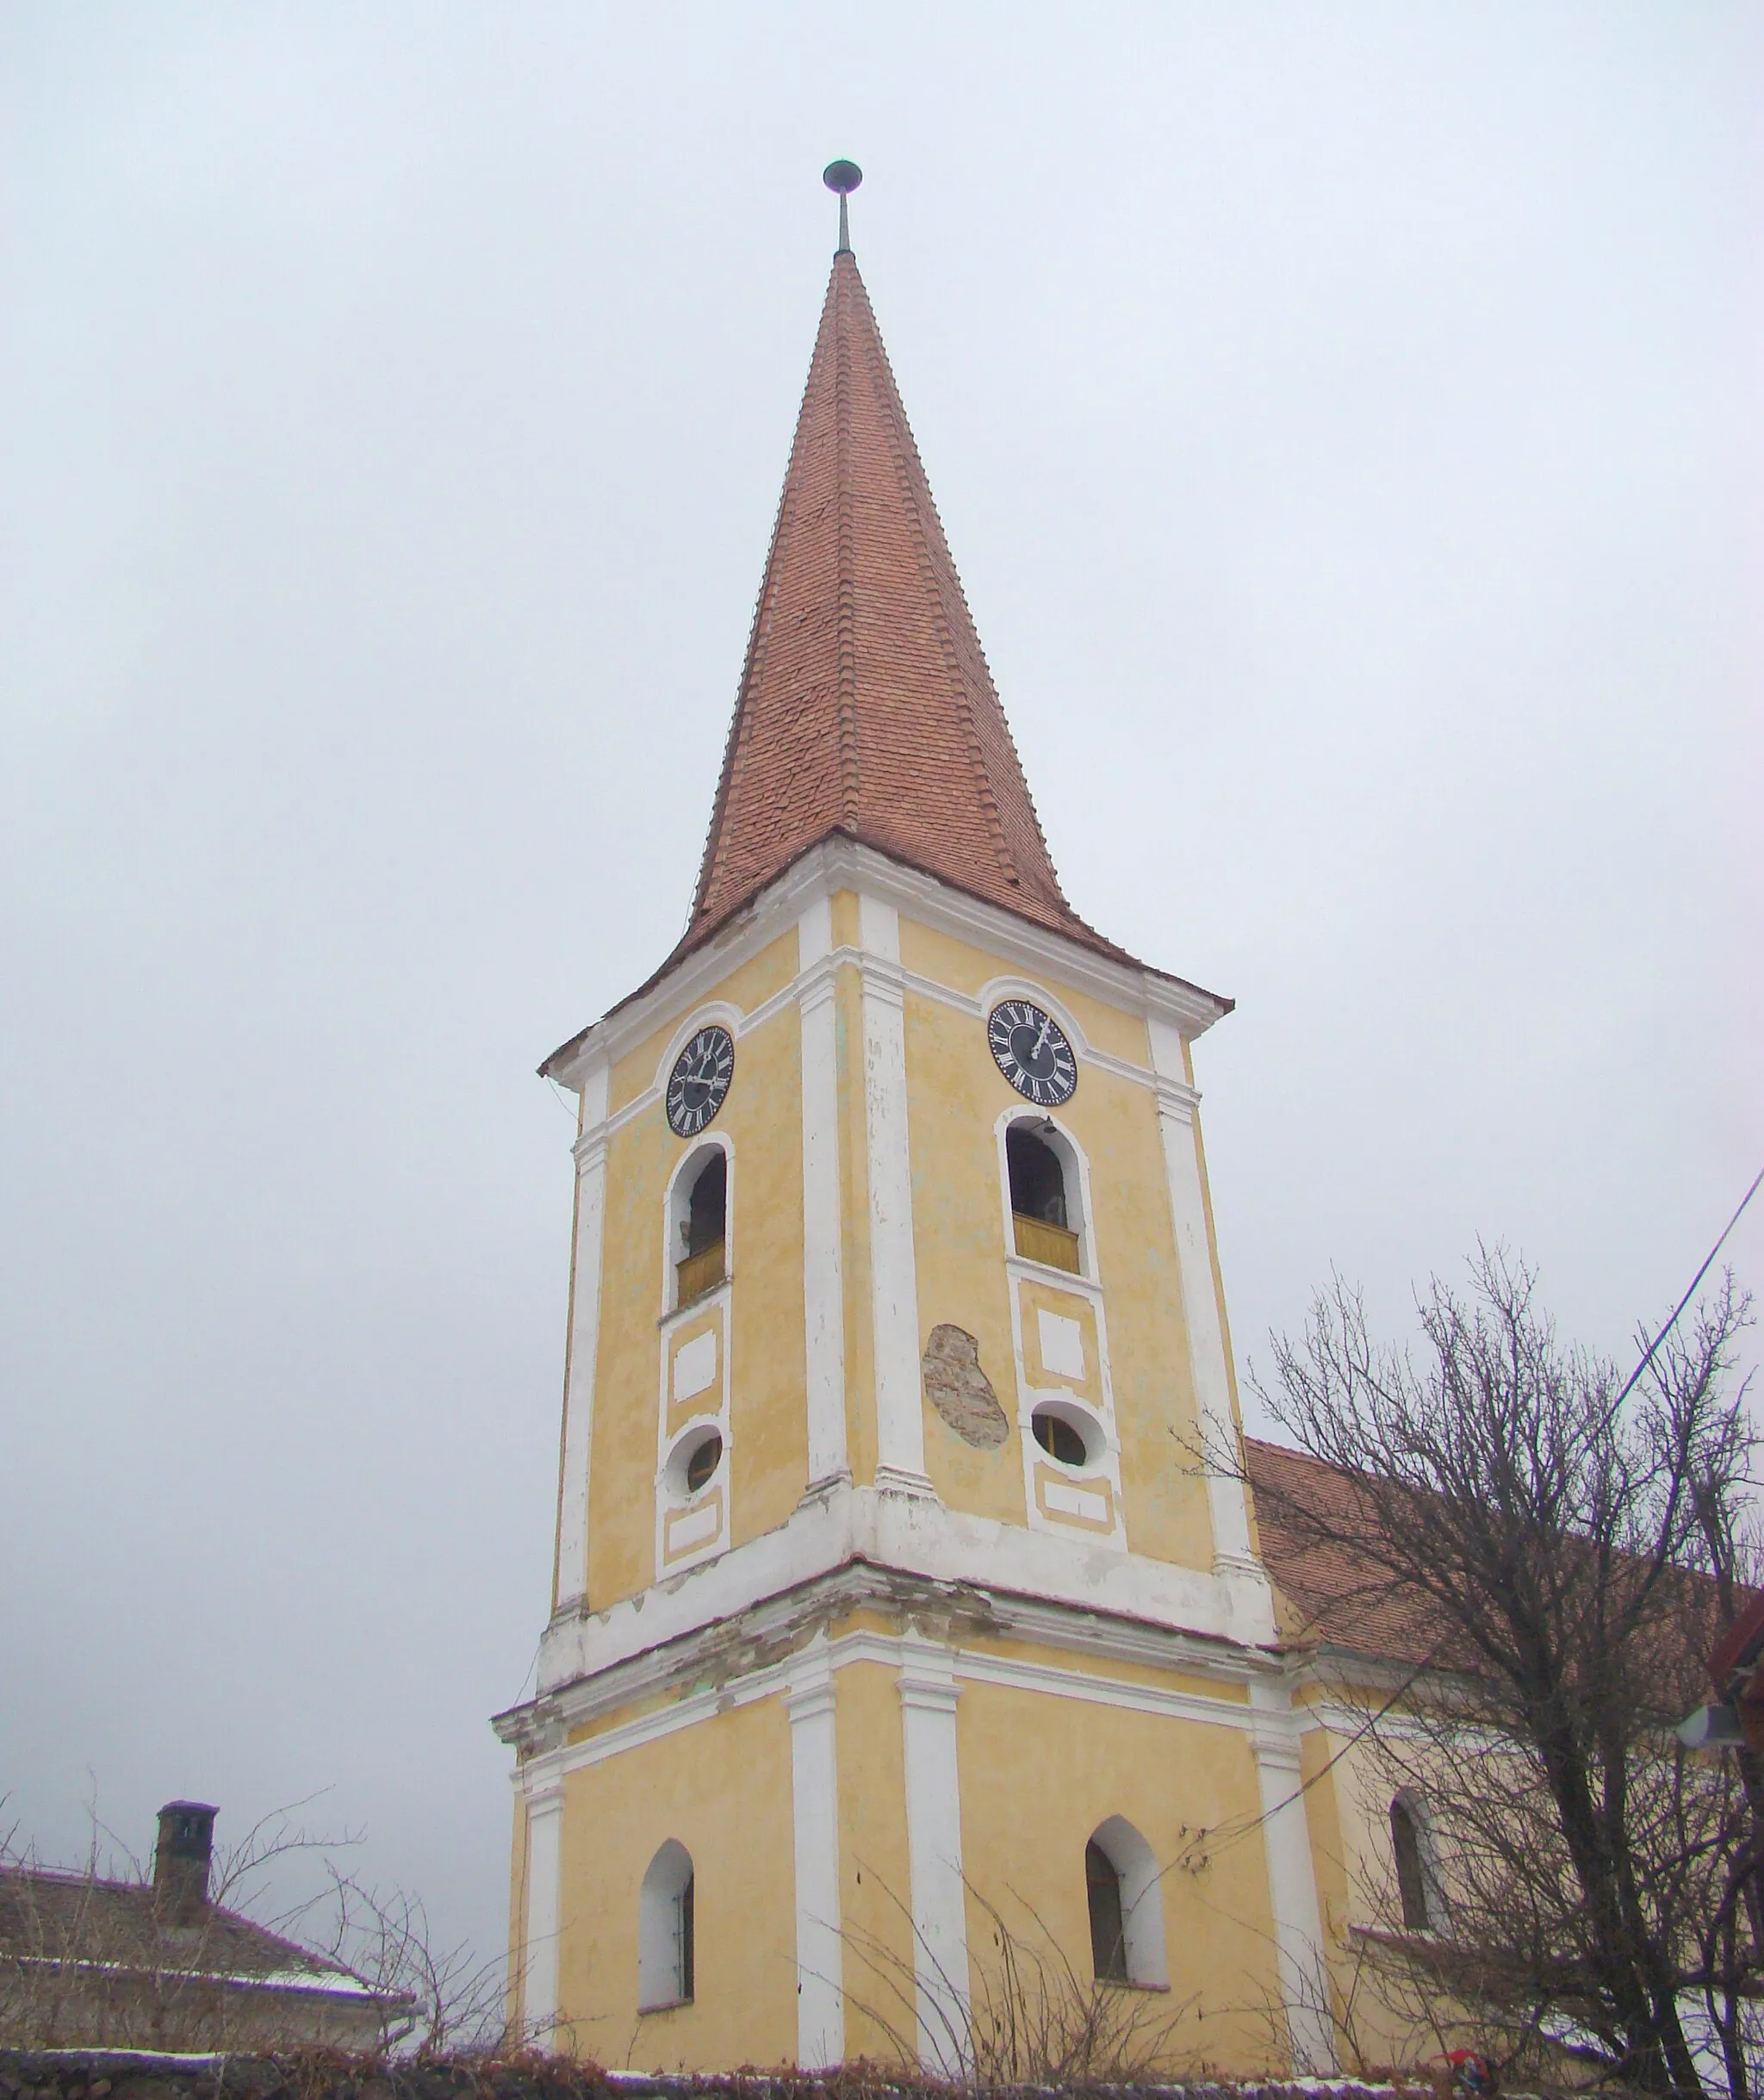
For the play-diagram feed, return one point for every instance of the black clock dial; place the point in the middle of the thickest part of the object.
(1030, 1049)
(698, 1085)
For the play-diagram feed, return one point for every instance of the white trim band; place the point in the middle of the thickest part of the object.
(814, 1774)
(938, 1890)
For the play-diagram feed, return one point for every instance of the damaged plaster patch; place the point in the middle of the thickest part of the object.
(960, 1391)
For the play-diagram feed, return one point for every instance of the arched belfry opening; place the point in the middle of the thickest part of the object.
(1037, 1179)
(1044, 1198)
(701, 1263)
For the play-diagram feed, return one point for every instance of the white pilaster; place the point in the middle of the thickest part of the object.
(938, 1894)
(584, 1342)
(1292, 1886)
(538, 1996)
(823, 1279)
(894, 1293)
(814, 1773)
(1226, 1500)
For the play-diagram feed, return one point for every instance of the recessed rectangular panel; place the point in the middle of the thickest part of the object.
(1093, 1507)
(1062, 1344)
(695, 1365)
(691, 1528)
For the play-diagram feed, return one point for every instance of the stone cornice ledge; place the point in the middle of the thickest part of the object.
(738, 1655)
(893, 1548)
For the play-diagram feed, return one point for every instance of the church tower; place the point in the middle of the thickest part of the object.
(889, 1600)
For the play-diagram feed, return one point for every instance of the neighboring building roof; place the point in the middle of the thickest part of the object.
(865, 707)
(1736, 1669)
(1736, 1662)
(75, 1919)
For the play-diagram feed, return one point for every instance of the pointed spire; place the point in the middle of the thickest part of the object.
(865, 706)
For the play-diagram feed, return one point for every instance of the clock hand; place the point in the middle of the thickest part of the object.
(1041, 1040)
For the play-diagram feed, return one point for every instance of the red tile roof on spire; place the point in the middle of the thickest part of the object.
(865, 706)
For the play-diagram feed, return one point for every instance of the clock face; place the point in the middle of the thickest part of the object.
(1030, 1049)
(698, 1085)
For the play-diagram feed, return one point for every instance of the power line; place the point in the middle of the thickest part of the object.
(1226, 1834)
(1634, 1377)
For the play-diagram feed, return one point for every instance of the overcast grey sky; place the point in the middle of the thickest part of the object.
(1347, 422)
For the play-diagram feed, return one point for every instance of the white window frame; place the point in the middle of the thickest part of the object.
(677, 1207)
(1142, 1901)
(1074, 1166)
(661, 1951)
(1421, 1817)
(1084, 1422)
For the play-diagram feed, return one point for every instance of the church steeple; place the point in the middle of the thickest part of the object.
(883, 1590)
(865, 706)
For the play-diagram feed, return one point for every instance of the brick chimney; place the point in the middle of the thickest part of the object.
(182, 1858)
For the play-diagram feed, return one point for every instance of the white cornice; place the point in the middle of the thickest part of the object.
(852, 1546)
(1021, 942)
(840, 864)
(772, 913)
(782, 1647)
(1177, 1098)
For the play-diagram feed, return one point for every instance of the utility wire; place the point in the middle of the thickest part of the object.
(1634, 1377)
(1226, 1834)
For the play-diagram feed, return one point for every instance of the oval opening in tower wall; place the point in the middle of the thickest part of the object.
(694, 1462)
(1067, 1433)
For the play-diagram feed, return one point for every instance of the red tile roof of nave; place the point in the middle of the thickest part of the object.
(1341, 1596)
(865, 707)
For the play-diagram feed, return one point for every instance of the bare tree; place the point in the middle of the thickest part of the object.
(1565, 1547)
(1030, 2015)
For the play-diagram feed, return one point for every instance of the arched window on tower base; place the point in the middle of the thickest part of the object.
(665, 1930)
(1107, 1939)
(1124, 1889)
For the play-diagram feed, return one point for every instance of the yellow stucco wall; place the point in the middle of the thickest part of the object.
(966, 968)
(721, 1788)
(953, 1099)
(768, 1407)
(762, 1120)
(1114, 1669)
(1039, 1774)
(750, 985)
(955, 1094)
(1349, 1814)
(627, 1382)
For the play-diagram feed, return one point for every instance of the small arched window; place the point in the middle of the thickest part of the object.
(665, 1930)
(1107, 1935)
(1413, 1867)
(700, 1264)
(1124, 1889)
(1043, 1198)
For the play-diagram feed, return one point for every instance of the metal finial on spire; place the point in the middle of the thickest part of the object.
(842, 175)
